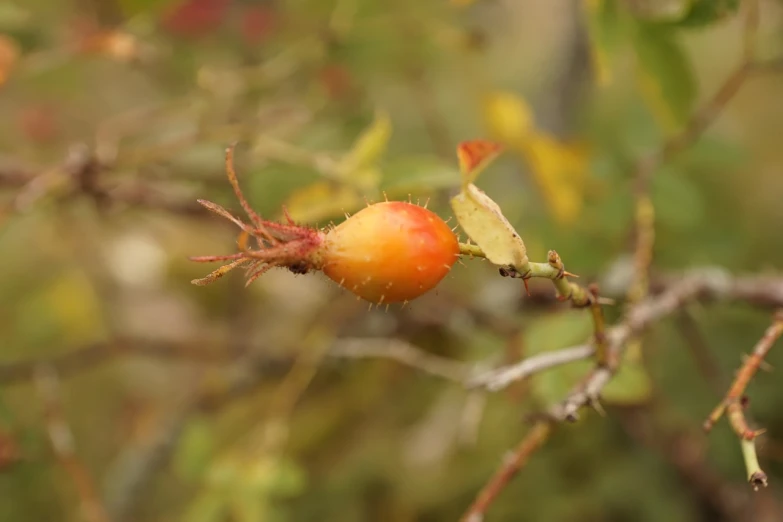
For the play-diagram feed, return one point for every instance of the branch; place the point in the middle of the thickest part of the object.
(734, 402)
(63, 446)
(501, 378)
(511, 465)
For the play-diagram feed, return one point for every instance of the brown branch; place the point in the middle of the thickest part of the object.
(733, 403)
(511, 465)
(62, 442)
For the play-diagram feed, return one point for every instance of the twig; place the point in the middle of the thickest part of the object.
(508, 469)
(587, 392)
(555, 271)
(685, 449)
(733, 403)
(599, 328)
(694, 128)
(500, 378)
(63, 446)
(404, 353)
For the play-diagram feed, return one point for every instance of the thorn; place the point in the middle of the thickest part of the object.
(450, 217)
(404, 304)
(455, 228)
(380, 302)
(596, 404)
(569, 274)
(342, 281)
(447, 267)
(347, 215)
(426, 203)
(527, 288)
(410, 198)
(606, 301)
(462, 263)
(369, 308)
(385, 197)
(387, 308)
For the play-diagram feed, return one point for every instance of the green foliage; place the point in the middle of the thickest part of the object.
(665, 73)
(299, 84)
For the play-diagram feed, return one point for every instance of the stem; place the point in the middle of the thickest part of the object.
(756, 475)
(467, 249)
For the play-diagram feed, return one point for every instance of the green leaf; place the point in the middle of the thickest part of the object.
(677, 200)
(665, 75)
(706, 12)
(357, 167)
(194, 452)
(631, 384)
(416, 174)
(136, 7)
(605, 27)
(554, 332)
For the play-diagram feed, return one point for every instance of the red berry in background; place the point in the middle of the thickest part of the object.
(195, 18)
(258, 23)
(388, 252)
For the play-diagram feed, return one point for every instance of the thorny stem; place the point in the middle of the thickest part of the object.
(509, 468)
(748, 370)
(734, 402)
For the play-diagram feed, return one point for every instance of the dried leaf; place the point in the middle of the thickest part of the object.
(474, 156)
(482, 220)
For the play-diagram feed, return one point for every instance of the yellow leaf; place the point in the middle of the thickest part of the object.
(507, 116)
(321, 201)
(365, 153)
(560, 172)
(75, 306)
(475, 156)
(483, 221)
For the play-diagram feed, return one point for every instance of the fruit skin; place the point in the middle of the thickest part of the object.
(389, 252)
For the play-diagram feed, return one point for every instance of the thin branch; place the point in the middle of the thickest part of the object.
(501, 378)
(404, 353)
(511, 465)
(555, 271)
(62, 442)
(734, 402)
(747, 371)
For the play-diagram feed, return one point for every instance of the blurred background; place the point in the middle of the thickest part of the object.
(128, 394)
